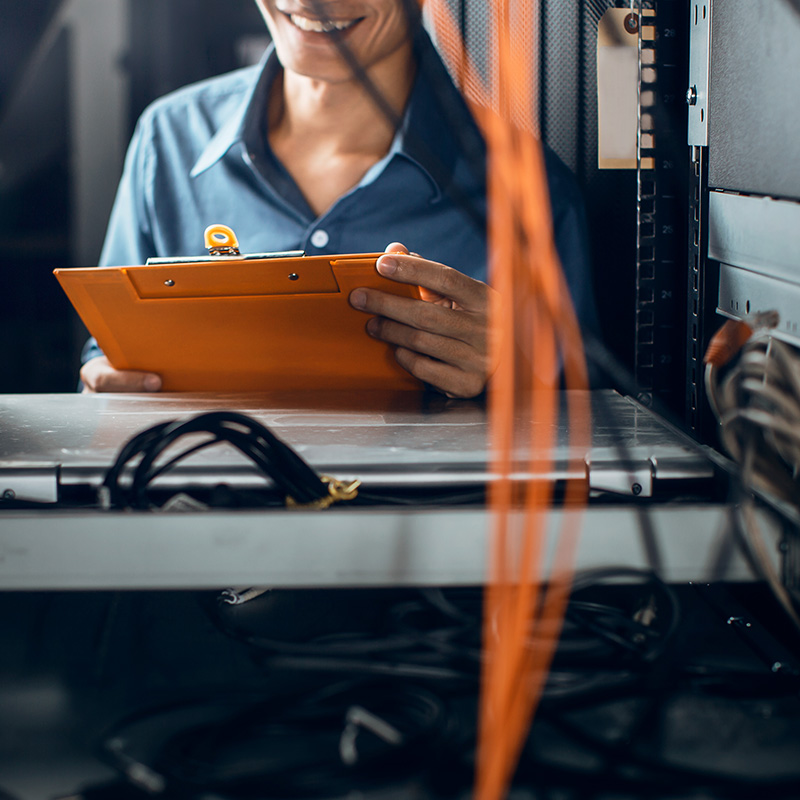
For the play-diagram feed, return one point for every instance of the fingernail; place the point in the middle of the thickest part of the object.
(387, 265)
(152, 383)
(372, 327)
(358, 298)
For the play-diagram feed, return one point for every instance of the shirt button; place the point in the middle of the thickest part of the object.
(319, 238)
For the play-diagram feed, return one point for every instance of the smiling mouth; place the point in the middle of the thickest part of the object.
(321, 25)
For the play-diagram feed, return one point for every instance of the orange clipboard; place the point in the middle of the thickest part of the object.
(240, 323)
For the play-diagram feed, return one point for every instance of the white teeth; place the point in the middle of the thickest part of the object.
(319, 25)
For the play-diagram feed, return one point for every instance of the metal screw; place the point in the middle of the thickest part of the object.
(169, 282)
(636, 488)
(691, 96)
(294, 276)
(9, 494)
(631, 23)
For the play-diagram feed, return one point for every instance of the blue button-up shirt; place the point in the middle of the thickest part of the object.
(200, 156)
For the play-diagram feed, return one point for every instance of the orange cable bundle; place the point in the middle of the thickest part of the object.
(536, 339)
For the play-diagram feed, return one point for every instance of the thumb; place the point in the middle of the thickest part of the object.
(397, 247)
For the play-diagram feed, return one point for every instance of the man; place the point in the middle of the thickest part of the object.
(303, 152)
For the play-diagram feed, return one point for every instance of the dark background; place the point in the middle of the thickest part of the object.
(172, 43)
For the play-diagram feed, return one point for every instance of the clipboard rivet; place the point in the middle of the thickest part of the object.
(294, 276)
(169, 282)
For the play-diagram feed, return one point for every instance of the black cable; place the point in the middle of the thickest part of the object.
(248, 747)
(442, 496)
(139, 462)
(271, 456)
(439, 634)
(353, 733)
(670, 609)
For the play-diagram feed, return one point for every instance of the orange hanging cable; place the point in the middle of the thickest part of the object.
(535, 333)
(503, 738)
(499, 734)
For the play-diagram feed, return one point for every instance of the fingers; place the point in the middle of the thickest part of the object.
(452, 366)
(442, 348)
(467, 327)
(451, 380)
(98, 375)
(441, 339)
(468, 293)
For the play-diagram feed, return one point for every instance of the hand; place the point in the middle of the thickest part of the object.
(98, 375)
(441, 339)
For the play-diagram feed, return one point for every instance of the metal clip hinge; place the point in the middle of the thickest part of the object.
(337, 491)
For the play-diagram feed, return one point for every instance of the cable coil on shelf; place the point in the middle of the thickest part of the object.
(300, 485)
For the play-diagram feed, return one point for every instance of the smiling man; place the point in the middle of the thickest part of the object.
(348, 135)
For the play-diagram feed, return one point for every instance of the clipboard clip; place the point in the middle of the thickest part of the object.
(221, 241)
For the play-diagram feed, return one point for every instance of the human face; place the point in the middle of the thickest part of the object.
(305, 33)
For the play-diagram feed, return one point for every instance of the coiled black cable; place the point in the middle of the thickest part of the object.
(272, 457)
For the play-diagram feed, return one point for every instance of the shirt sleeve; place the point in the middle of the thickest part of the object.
(129, 237)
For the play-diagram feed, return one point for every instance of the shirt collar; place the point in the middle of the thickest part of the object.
(435, 128)
(242, 120)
